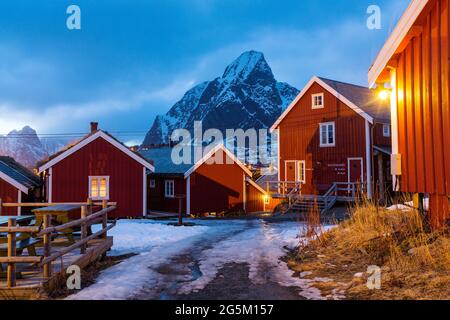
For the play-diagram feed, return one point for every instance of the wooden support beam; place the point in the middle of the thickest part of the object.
(105, 217)
(47, 247)
(84, 213)
(11, 272)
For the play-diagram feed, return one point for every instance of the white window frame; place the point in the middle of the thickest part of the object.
(98, 178)
(166, 189)
(152, 183)
(386, 134)
(313, 98)
(301, 175)
(326, 125)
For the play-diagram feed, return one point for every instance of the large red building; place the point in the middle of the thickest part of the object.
(415, 63)
(334, 132)
(17, 185)
(101, 168)
(204, 186)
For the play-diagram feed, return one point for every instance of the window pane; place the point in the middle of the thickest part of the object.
(94, 187)
(330, 134)
(323, 134)
(103, 188)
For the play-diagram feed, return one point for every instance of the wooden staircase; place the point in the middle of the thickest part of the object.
(322, 203)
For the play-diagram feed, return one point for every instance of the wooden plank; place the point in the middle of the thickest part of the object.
(436, 100)
(445, 73)
(410, 121)
(11, 272)
(427, 109)
(418, 100)
(47, 246)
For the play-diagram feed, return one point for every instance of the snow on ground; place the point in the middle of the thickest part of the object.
(210, 244)
(154, 242)
(139, 235)
(261, 247)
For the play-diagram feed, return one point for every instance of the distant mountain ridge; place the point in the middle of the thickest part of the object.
(26, 148)
(246, 96)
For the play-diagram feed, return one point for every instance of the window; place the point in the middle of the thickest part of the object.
(99, 188)
(169, 190)
(266, 199)
(327, 134)
(302, 171)
(386, 130)
(153, 183)
(317, 101)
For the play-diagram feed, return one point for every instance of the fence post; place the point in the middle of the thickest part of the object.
(11, 277)
(47, 246)
(105, 218)
(83, 229)
(89, 206)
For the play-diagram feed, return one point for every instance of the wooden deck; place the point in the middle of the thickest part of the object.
(32, 284)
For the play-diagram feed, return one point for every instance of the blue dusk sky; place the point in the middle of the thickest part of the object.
(133, 59)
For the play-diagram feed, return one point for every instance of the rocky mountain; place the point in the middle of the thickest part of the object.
(245, 96)
(26, 147)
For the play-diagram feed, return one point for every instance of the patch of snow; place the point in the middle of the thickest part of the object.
(155, 242)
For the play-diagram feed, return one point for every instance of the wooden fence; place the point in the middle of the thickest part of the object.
(45, 231)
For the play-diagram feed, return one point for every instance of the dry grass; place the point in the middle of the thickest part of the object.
(415, 263)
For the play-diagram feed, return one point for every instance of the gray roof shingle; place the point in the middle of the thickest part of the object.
(19, 173)
(364, 98)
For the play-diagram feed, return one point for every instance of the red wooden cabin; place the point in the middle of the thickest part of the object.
(334, 133)
(204, 187)
(415, 63)
(17, 185)
(101, 168)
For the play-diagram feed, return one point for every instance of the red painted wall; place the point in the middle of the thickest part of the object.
(70, 179)
(378, 138)
(423, 105)
(217, 188)
(8, 193)
(255, 199)
(299, 140)
(156, 196)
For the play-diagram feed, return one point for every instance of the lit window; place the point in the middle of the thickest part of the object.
(99, 188)
(152, 183)
(327, 134)
(317, 101)
(169, 190)
(302, 171)
(386, 130)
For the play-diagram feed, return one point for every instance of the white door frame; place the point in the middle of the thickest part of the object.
(362, 168)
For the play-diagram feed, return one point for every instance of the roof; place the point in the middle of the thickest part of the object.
(262, 181)
(383, 149)
(162, 159)
(362, 100)
(72, 148)
(16, 174)
(396, 38)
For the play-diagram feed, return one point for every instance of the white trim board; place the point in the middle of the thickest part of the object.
(317, 80)
(362, 168)
(257, 186)
(211, 153)
(85, 142)
(395, 39)
(13, 182)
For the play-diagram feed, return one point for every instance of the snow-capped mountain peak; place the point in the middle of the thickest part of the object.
(245, 96)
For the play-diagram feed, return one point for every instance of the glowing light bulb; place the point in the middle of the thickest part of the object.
(384, 95)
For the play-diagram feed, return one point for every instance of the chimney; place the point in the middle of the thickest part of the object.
(94, 127)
